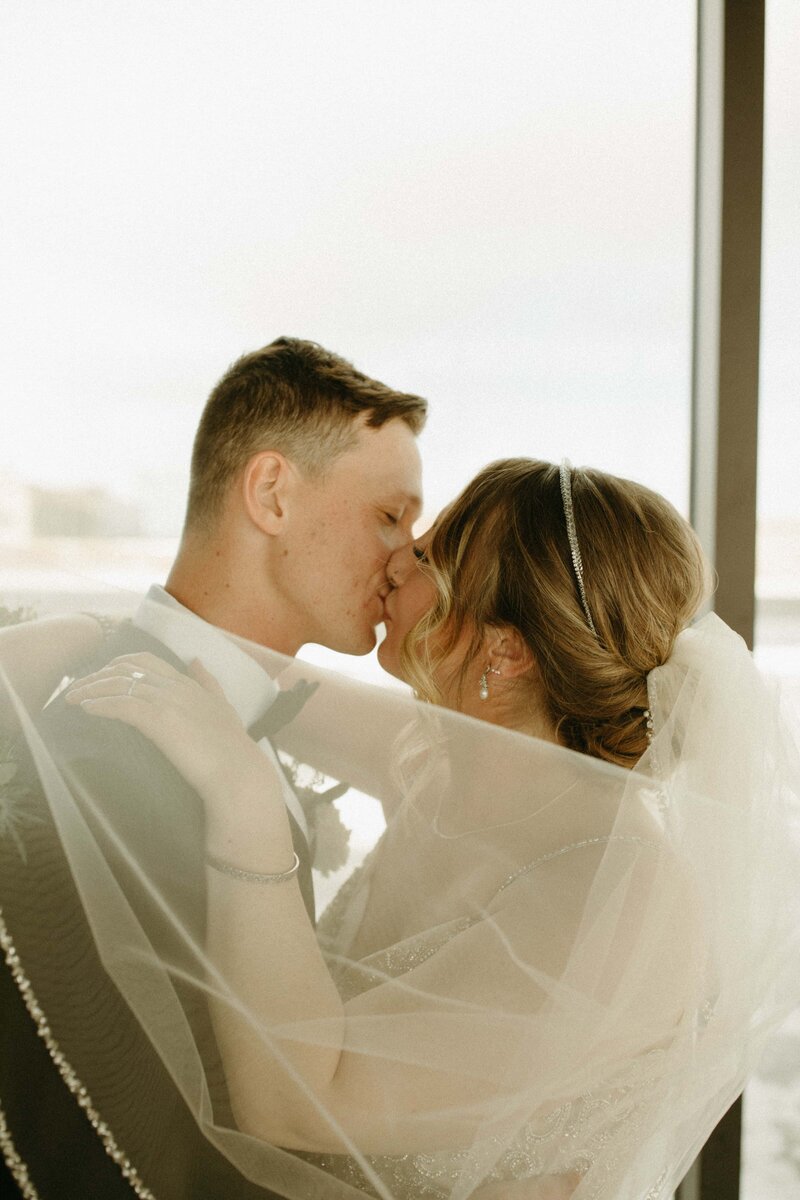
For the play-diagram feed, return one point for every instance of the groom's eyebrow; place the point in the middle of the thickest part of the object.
(401, 498)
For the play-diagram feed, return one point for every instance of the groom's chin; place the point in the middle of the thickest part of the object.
(355, 644)
(368, 644)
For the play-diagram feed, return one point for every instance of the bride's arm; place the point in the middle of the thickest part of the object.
(36, 655)
(259, 937)
(355, 751)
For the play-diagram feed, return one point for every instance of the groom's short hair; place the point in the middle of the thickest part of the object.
(293, 396)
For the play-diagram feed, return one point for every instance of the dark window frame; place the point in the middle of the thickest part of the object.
(725, 372)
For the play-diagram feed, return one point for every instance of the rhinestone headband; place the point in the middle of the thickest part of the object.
(572, 535)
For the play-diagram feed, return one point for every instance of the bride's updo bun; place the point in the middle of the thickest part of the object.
(500, 556)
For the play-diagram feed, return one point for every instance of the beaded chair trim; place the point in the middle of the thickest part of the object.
(15, 1164)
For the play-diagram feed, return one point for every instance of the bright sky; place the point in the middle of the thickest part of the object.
(489, 204)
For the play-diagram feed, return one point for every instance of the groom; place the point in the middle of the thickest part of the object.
(305, 479)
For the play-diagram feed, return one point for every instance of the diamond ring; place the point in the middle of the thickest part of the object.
(135, 677)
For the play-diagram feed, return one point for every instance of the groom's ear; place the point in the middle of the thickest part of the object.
(266, 487)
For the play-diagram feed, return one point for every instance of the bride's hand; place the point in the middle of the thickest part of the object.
(186, 716)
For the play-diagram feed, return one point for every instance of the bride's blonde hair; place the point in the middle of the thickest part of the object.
(500, 556)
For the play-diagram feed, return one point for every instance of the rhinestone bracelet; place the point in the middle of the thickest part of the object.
(252, 876)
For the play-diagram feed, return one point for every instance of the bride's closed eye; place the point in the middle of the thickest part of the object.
(419, 554)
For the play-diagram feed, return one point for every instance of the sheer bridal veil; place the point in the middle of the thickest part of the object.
(564, 970)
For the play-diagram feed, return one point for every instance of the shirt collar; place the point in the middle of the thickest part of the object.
(247, 686)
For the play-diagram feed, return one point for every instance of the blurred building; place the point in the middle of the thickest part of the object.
(81, 512)
(16, 508)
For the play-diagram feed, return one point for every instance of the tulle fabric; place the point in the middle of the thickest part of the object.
(556, 974)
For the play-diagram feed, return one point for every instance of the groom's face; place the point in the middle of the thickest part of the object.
(344, 528)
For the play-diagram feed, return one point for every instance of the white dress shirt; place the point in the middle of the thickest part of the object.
(248, 688)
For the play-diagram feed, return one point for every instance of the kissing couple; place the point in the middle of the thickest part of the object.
(567, 920)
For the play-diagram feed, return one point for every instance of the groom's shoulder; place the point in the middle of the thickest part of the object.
(113, 765)
(128, 638)
(69, 732)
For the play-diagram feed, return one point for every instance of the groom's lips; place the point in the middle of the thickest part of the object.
(377, 600)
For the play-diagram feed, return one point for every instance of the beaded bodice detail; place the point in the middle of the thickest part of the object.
(352, 977)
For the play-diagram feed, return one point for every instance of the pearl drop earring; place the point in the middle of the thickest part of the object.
(483, 691)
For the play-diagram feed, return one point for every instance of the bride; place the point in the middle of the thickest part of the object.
(554, 968)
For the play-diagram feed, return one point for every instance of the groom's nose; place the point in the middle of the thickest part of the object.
(394, 570)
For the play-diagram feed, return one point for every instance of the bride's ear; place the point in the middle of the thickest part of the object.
(508, 652)
(266, 488)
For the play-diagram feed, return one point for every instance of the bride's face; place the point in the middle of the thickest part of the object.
(413, 594)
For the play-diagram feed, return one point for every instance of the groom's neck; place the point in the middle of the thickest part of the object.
(211, 581)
